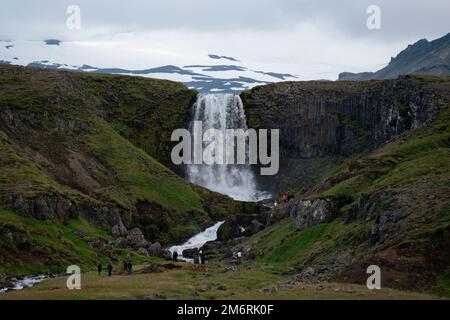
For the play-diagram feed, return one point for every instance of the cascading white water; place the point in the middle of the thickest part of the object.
(221, 112)
(197, 241)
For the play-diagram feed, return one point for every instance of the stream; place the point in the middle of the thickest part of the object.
(27, 282)
(197, 241)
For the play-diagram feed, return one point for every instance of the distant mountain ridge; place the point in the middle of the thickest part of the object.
(425, 57)
(219, 73)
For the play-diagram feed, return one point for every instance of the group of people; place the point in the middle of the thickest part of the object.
(201, 257)
(127, 267)
(109, 268)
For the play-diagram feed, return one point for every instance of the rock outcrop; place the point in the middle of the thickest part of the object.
(43, 207)
(309, 213)
(136, 239)
(241, 225)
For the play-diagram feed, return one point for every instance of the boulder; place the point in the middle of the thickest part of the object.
(166, 254)
(190, 253)
(213, 245)
(143, 251)
(121, 243)
(214, 249)
(309, 213)
(21, 241)
(119, 230)
(241, 225)
(256, 226)
(136, 239)
(155, 249)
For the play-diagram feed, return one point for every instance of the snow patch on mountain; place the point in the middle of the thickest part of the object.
(228, 74)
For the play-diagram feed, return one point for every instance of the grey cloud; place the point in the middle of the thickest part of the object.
(400, 18)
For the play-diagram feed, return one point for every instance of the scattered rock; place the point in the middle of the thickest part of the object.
(79, 233)
(271, 290)
(230, 269)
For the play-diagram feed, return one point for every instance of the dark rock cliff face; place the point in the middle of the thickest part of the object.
(323, 122)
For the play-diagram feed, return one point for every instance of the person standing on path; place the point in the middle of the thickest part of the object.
(239, 257)
(130, 267)
(201, 257)
(109, 268)
(175, 256)
(99, 268)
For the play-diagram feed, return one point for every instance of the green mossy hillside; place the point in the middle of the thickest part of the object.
(99, 142)
(411, 176)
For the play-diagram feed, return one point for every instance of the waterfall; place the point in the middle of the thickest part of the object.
(197, 241)
(221, 112)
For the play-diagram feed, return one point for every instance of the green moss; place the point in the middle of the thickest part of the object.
(97, 139)
(402, 108)
(429, 78)
(253, 121)
(442, 287)
(184, 232)
(138, 175)
(425, 153)
(362, 134)
(293, 247)
(21, 175)
(347, 190)
(52, 245)
(320, 244)
(144, 111)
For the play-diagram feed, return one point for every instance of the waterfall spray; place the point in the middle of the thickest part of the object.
(221, 112)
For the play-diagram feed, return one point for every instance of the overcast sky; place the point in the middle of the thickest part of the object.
(314, 39)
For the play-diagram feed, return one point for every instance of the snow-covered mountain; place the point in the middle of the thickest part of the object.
(214, 73)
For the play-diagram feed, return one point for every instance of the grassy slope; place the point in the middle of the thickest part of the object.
(194, 282)
(54, 117)
(20, 174)
(138, 174)
(144, 111)
(51, 244)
